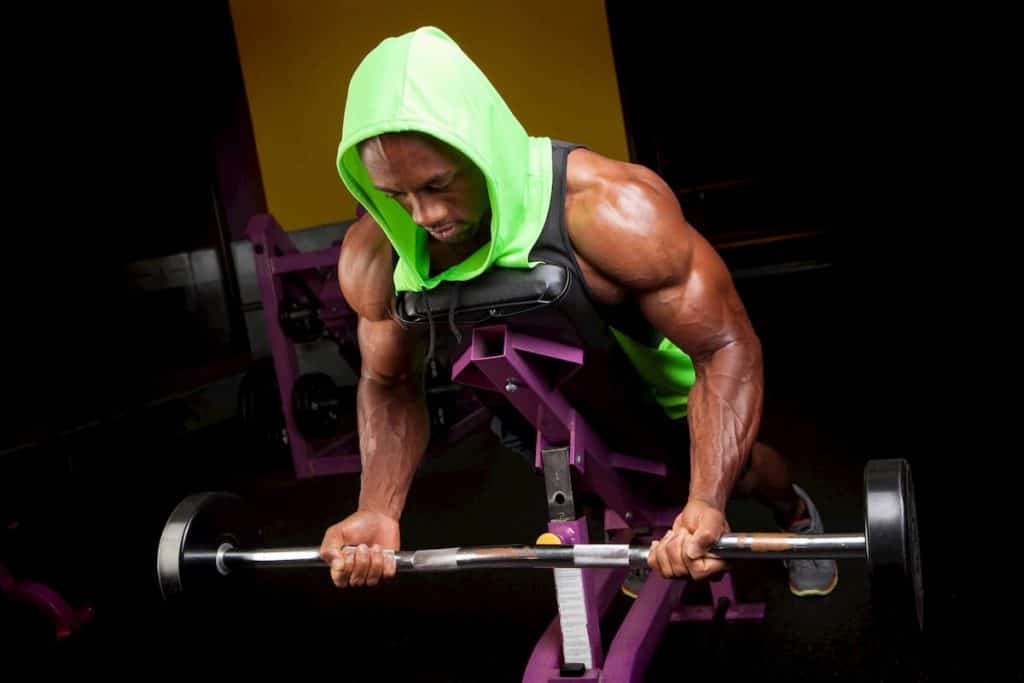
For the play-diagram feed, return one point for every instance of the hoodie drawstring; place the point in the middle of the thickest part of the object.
(453, 305)
(429, 360)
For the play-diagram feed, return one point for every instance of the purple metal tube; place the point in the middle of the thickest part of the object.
(65, 618)
(641, 630)
(268, 239)
(305, 260)
(498, 359)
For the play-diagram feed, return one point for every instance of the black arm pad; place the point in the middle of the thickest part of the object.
(497, 294)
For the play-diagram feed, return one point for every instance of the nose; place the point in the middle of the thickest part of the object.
(427, 211)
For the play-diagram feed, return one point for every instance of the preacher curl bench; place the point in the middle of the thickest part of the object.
(516, 337)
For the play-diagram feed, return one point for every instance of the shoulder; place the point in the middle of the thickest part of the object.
(626, 222)
(365, 270)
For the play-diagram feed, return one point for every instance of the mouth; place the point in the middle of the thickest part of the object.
(444, 232)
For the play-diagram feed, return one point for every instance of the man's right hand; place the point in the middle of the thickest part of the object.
(370, 533)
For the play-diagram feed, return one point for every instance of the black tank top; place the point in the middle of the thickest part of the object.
(554, 246)
(608, 391)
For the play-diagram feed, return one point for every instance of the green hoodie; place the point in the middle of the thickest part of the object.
(422, 81)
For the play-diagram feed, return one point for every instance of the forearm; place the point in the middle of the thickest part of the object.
(393, 435)
(724, 414)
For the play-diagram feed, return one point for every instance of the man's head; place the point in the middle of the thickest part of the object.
(470, 163)
(438, 186)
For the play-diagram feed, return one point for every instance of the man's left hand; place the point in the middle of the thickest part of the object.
(683, 551)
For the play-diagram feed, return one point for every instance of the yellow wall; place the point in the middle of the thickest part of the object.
(550, 59)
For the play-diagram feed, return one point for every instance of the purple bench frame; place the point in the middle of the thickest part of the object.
(66, 620)
(501, 359)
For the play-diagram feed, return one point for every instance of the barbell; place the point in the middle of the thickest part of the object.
(203, 543)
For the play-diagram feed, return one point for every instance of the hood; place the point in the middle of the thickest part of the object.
(422, 81)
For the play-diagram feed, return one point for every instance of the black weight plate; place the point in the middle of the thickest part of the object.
(317, 405)
(198, 526)
(300, 322)
(893, 547)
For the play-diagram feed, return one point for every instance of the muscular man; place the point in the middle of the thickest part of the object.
(453, 185)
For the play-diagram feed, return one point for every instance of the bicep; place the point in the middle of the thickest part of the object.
(389, 352)
(365, 270)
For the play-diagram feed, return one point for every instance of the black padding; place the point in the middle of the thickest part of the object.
(498, 294)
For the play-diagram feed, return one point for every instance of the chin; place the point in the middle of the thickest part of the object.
(466, 234)
(462, 234)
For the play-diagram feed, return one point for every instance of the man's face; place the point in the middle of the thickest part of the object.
(441, 189)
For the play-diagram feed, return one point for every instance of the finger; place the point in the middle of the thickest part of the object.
(664, 563)
(376, 565)
(341, 569)
(330, 548)
(700, 542)
(652, 554)
(361, 567)
(675, 554)
(338, 576)
(699, 562)
(348, 559)
(704, 567)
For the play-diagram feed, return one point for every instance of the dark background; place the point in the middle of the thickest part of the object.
(797, 146)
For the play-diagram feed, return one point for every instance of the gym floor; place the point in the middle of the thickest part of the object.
(91, 528)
